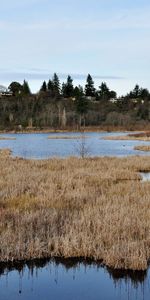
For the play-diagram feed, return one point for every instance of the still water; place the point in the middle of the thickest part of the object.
(145, 176)
(71, 280)
(38, 146)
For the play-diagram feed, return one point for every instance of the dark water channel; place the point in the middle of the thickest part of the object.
(72, 280)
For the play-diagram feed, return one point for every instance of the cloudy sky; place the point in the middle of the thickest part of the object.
(110, 39)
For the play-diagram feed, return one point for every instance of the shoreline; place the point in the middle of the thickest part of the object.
(68, 130)
(72, 262)
(140, 136)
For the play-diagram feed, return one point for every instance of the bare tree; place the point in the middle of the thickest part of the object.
(82, 147)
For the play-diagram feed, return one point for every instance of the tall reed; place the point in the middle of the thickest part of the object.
(93, 207)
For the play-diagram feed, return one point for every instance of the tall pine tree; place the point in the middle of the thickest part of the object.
(104, 93)
(67, 88)
(89, 87)
(25, 88)
(78, 92)
(50, 85)
(56, 84)
(43, 87)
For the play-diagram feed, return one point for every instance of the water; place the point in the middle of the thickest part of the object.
(38, 146)
(145, 176)
(72, 281)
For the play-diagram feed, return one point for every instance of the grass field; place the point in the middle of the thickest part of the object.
(93, 208)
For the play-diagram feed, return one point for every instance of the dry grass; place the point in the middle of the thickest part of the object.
(95, 207)
(142, 136)
(7, 138)
(64, 137)
(142, 148)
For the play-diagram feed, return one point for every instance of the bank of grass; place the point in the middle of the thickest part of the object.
(140, 136)
(65, 137)
(93, 208)
(142, 148)
(100, 128)
(7, 138)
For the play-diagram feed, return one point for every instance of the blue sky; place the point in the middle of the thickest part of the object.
(110, 39)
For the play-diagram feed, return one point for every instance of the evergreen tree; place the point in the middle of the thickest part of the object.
(104, 92)
(89, 87)
(15, 87)
(139, 93)
(56, 84)
(67, 88)
(43, 87)
(63, 89)
(112, 94)
(81, 105)
(78, 92)
(81, 108)
(136, 92)
(50, 86)
(25, 88)
(144, 93)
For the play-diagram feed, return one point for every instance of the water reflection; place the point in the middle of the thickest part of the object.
(71, 280)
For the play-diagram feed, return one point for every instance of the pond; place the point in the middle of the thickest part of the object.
(72, 280)
(145, 176)
(38, 146)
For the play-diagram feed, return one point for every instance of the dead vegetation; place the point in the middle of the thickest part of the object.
(141, 136)
(64, 137)
(93, 207)
(142, 148)
(3, 138)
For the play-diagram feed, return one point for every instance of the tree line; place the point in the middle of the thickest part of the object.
(67, 89)
(60, 105)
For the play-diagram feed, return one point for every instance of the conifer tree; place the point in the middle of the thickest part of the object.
(67, 88)
(89, 87)
(82, 105)
(104, 93)
(56, 84)
(25, 88)
(50, 86)
(78, 92)
(15, 87)
(43, 87)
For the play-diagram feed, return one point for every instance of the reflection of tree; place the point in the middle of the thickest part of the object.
(130, 284)
(136, 277)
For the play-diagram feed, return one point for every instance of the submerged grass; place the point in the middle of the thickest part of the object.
(93, 208)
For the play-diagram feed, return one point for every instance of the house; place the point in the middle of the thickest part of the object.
(4, 92)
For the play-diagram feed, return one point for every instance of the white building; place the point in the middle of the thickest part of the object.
(4, 91)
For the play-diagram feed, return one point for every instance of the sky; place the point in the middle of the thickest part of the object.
(110, 39)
